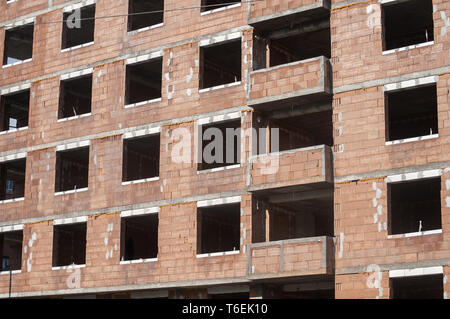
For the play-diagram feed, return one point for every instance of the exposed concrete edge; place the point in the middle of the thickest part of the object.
(318, 4)
(127, 130)
(395, 266)
(321, 87)
(394, 79)
(394, 171)
(160, 203)
(346, 3)
(178, 284)
(128, 56)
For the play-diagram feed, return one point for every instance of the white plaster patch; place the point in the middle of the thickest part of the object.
(447, 201)
(446, 23)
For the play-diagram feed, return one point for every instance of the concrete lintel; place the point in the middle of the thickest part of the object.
(394, 79)
(139, 287)
(396, 266)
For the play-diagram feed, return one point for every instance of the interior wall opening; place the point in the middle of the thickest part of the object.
(72, 169)
(218, 228)
(18, 44)
(294, 131)
(141, 157)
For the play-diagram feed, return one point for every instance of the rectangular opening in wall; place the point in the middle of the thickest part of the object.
(11, 250)
(414, 206)
(208, 5)
(407, 23)
(220, 144)
(14, 110)
(72, 169)
(417, 287)
(69, 244)
(309, 128)
(12, 179)
(218, 228)
(140, 18)
(141, 157)
(290, 43)
(77, 32)
(220, 64)
(139, 237)
(411, 113)
(18, 44)
(143, 81)
(75, 96)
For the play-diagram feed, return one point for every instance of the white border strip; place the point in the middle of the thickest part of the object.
(142, 132)
(72, 191)
(76, 117)
(219, 201)
(74, 220)
(145, 57)
(13, 157)
(219, 118)
(413, 176)
(138, 212)
(16, 88)
(11, 228)
(220, 38)
(410, 47)
(412, 139)
(82, 4)
(12, 200)
(73, 145)
(222, 253)
(140, 181)
(410, 83)
(158, 99)
(77, 47)
(218, 87)
(416, 272)
(76, 74)
(416, 234)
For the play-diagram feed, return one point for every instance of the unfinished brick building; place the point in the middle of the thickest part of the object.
(96, 203)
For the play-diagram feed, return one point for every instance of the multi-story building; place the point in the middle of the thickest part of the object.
(336, 186)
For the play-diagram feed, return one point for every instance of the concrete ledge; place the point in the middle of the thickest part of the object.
(138, 261)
